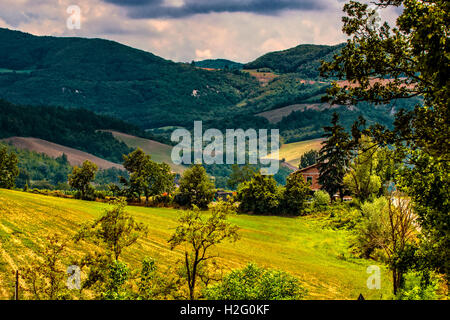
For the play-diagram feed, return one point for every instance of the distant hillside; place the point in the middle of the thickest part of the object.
(303, 59)
(219, 64)
(111, 78)
(53, 150)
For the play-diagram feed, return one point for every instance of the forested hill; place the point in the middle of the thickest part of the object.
(75, 128)
(303, 59)
(114, 79)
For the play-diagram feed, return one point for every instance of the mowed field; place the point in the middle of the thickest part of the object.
(159, 152)
(292, 152)
(74, 156)
(301, 246)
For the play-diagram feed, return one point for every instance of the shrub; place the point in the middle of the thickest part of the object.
(260, 195)
(295, 194)
(371, 229)
(196, 189)
(321, 199)
(255, 283)
(416, 288)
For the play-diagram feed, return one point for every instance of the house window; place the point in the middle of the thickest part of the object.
(309, 180)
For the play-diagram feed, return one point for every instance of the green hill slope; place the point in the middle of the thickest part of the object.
(303, 59)
(297, 245)
(114, 79)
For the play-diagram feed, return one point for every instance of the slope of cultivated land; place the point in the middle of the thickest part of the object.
(297, 245)
(159, 152)
(74, 156)
(292, 152)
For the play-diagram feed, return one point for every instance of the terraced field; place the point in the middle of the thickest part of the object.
(297, 245)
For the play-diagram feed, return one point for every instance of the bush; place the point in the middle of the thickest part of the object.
(294, 196)
(371, 229)
(321, 199)
(260, 195)
(416, 288)
(196, 189)
(255, 283)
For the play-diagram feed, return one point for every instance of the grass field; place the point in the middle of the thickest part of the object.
(159, 152)
(297, 245)
(292, 152)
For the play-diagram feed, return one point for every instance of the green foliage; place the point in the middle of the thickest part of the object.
(372, 231)
(308, 158)
(200, 234)
(118, 274)
(115, 230)
(294, 196)
(334, 157)
(362, 178)
(256, 283)
(45, 278)
(8, 168)
(321, 199)
(428, 182)
(81, 177)
(196, 188)
(260, 195)
(417, 288)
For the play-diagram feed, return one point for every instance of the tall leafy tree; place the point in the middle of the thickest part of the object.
(8, 168)
(362, 179)
(81, 178)
(308, 158)
(295, 194)
(199, 234)
(157, 179)
(260, 195)
(196, 188)
(334, 157)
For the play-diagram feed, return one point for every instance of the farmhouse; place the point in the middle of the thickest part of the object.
(311, 176)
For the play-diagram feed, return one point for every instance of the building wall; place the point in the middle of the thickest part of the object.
(312, 174)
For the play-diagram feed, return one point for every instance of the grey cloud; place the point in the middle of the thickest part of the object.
(158, 8)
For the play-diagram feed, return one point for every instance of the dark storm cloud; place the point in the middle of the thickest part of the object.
(164, 9)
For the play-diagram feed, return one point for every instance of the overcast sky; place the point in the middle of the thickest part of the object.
(185, 30)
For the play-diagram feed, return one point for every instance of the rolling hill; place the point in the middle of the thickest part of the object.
(303, 60)
(110, 78)
(159, 152)
(74, 157)
(299, 245)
